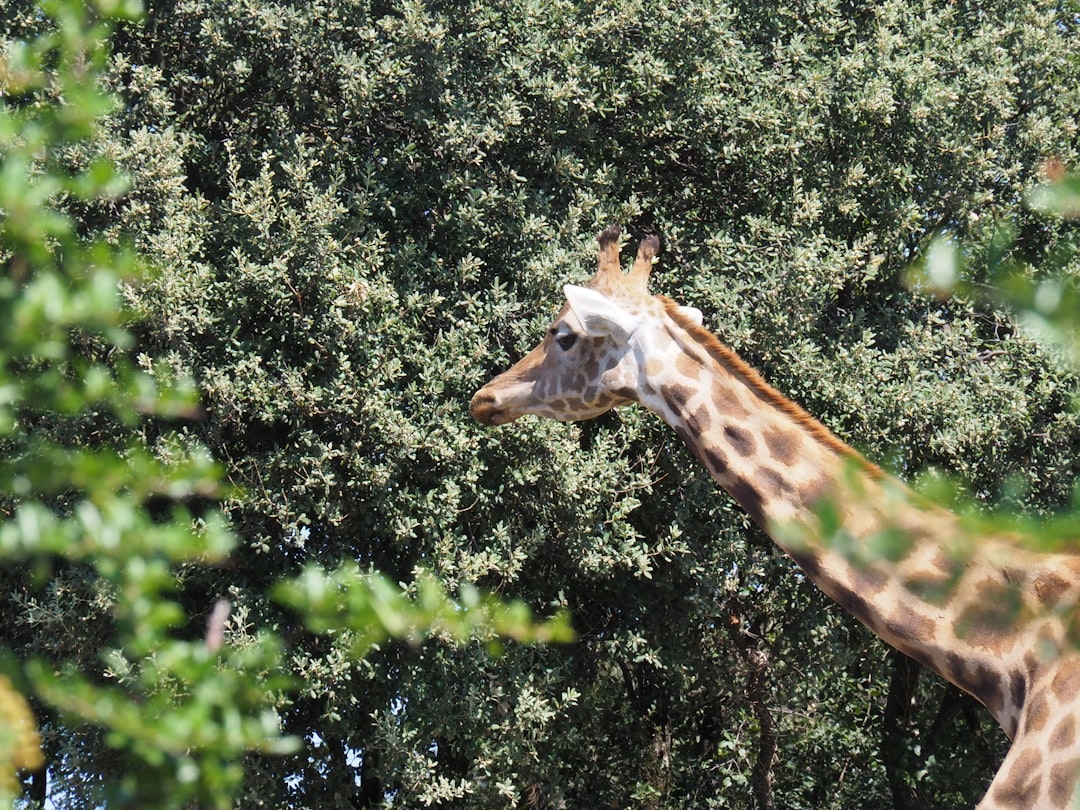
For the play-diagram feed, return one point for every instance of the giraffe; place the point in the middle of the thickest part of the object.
(994, 618)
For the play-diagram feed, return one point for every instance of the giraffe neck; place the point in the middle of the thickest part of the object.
(781, 466)
(775, 459)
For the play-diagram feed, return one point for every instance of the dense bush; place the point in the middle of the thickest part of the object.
(358, 211)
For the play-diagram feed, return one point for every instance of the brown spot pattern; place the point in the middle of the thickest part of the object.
(868, 580)
(1021, 788)
(812, 491)
(911, 626)
(715, 460)
(985, 684)
(741, 440)
(749, 499)
(988, 624)
(1038, 712)
(810, 564)
(1018, 689)
(936, 582)
(856, 604)
(783, 445)
(686, 366)
(1064, 734)
(699, 421)
(676, 397)
(1050, 588)
(727, 402)
(1066, 683)
(772, 484)
(1063, 782)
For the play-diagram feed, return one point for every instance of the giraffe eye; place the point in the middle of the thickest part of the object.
(566, 341)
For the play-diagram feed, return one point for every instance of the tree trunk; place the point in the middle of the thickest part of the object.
(897, 731)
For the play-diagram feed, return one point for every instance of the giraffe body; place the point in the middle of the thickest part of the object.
(989, 616)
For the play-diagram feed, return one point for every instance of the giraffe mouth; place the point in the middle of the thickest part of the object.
(483, 409)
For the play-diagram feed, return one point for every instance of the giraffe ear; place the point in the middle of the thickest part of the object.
(598, 314)
(692, 314)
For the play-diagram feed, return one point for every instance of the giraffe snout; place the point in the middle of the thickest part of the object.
(482, 407)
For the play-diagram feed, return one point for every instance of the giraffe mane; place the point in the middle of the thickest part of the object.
(729, 359)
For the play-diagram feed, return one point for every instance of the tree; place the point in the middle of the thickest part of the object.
(355, 208)
(106, 506)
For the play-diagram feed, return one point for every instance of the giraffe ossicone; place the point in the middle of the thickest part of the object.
(994, 618)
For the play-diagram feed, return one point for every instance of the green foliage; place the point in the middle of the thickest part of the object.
(1046, 304)
(105, 515)
(371, 609)
(88, 508)
(359, 211)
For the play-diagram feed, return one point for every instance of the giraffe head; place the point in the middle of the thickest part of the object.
(592, 358)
